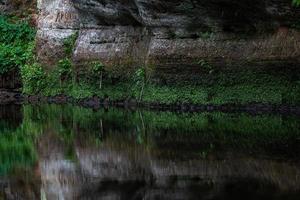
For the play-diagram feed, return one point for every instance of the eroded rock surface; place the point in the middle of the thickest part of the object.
(170, 35)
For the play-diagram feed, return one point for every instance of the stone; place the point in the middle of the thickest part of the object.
(169, 36)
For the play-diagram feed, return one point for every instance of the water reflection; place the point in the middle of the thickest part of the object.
(64, 152)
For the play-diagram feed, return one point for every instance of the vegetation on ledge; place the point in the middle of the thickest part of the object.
(216, 87)
(16, 43)
(240, 87)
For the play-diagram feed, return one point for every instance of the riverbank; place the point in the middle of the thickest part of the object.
(267, 86)
(95, 102)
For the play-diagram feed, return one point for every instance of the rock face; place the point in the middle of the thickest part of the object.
(17, 7)
(171, 36)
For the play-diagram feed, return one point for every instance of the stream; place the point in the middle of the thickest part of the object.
(68, 152)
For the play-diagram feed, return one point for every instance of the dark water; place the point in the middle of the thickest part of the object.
(64, 152)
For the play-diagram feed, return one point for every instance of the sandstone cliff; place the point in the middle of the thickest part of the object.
(171, 36)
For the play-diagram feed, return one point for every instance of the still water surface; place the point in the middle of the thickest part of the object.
(63, 152)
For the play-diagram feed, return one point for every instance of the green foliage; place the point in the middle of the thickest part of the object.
(296, 25)
(33, 78)
(206, 66)
(139, 77)
(17, 145)
(296, 2)
(139, 80)
(206, 35)
(97, 67)
(16, 44)
(15, 151)
(69, 44)
(36, 81)
(198, 134)
(15, 31)
(240, 87)
(64, 68)
(210, 131)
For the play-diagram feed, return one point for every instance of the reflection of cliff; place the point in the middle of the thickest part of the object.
(116, 170)
(22, 185)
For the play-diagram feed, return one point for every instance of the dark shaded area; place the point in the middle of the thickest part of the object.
(10, 80)
(11, 115)
(232, 16)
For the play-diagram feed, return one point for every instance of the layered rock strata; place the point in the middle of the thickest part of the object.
(170, 36)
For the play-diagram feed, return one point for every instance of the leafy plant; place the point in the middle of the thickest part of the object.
(205, 35)
(69, 44)
(33, 78)
(296, 25)
(64, 68)
(205, 65)
(139, 81)
(98, 69)
(16, 44)
(296, 2)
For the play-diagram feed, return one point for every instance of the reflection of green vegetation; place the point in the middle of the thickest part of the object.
(199, 134)
(15, 150)
(17, 146)
(206, 129)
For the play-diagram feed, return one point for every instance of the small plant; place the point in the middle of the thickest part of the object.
(186, 6)
(205, 152)
(205, 65)
(139, 81)
(296, 3)
(33, 78)
(64, 68)
(296, 25)
(205, 35)
(69, 44)
(98, 69)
